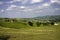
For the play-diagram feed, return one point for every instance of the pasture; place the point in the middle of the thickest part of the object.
(23, 31)
(31, 33)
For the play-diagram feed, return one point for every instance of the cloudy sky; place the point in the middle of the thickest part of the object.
(28, 8)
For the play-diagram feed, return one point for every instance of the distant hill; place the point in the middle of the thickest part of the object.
(49, 17)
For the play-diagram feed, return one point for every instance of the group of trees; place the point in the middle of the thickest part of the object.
(30, 23)
(40, 23)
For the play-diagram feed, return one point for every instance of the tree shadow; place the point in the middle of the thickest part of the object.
(4, 37)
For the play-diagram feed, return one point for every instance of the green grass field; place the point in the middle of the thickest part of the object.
(32, 33)
(19, 31)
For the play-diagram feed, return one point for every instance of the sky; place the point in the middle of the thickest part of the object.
(28, 8)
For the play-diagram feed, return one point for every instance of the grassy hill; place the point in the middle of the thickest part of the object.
(55, 18)
(23, 22)
(31, 33)
(19, 29)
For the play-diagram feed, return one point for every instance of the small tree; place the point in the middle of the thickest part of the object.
(38, 23)
(30, 23)
(45, 23)
(52, 23)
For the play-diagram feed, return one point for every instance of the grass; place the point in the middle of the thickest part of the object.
(32, 33)
(20, 31)
(16, 25)
(19, 25)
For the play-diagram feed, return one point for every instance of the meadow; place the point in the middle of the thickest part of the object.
(22, 31)
(32, 33)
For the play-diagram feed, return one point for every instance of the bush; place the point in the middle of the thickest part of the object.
(52, 23)
(30, 23)
(38, 23)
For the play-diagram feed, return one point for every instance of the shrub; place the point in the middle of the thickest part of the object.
(52, 23)
(38, 23)
(30, 23)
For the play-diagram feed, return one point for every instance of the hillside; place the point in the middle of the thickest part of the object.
(49, 17)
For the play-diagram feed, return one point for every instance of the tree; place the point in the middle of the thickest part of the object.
(30, 23)
(38, 23)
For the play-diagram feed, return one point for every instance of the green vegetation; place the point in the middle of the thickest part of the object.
(31, 33)
(13, 25)
(29, 29)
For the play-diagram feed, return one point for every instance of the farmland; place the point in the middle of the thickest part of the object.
(31, 33)
(21, 30)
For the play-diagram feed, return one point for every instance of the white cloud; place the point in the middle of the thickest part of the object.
(13, 1)
(28, 10)
(46, 4)
(1, 3)
(22, 7)
(11, 7)
(40, 7)
(24, 1)
(57, 9)
(53, 1)
(2, 10)
(16, 0)
(10, 2)
(35, 1)
(20, 11)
